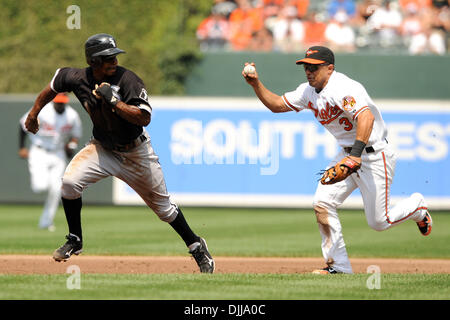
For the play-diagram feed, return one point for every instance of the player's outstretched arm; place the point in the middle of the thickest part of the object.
(271, 100)
(46, 95)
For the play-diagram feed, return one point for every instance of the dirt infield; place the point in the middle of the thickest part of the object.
(39, 264)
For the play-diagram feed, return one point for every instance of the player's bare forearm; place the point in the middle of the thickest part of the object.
(363, 130)
(364, 126)
(46, 95)
(132, 114)
(271, 100)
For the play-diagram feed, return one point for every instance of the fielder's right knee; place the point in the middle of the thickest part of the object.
(323, 212)
(321, 215)
(70, 189)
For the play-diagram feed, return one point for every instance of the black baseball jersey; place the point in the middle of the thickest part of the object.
(109, 128)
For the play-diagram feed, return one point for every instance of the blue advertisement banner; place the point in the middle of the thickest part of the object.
(236, 152)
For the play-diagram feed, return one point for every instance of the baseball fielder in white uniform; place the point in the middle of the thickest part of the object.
(344, 108)
(48, 152)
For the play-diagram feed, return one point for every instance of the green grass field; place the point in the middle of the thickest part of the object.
(226, 287)
(229, 232)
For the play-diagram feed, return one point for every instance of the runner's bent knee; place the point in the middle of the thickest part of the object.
(165, 210)
(71, 188)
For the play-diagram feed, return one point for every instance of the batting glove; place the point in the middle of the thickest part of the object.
(105, 91)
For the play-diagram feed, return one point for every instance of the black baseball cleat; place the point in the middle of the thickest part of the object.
(327, 270)
(426, 224)
(72, 246)
(203, 257)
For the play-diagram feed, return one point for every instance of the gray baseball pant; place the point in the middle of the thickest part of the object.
(139, 168)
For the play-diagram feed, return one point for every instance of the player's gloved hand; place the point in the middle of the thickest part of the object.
(340, 171)
(105, 91)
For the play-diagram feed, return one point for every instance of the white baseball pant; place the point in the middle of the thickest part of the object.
(374, 181)
(46, 169)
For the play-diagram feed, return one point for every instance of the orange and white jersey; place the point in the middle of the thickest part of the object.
(337, 107)
(55, 129)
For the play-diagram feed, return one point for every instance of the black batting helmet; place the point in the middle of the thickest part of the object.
(100, 45)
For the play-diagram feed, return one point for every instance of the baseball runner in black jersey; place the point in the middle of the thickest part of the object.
(118, 104)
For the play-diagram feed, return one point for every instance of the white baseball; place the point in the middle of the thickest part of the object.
(249, 69)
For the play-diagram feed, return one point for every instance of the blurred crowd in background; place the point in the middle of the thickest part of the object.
(404, 26)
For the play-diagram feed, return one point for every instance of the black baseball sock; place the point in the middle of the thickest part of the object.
(72, 209)
(182, 228)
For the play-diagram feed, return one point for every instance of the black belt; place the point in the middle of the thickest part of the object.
(127, 147)
(368, 149)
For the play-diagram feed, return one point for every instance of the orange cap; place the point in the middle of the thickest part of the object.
(61, 98)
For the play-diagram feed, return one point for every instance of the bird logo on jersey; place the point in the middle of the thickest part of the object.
(348, 103)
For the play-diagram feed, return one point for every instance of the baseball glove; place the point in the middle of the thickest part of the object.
(340, 171)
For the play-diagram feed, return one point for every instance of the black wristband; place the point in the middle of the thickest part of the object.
(357, 148)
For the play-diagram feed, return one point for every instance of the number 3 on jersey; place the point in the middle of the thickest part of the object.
(346, 123)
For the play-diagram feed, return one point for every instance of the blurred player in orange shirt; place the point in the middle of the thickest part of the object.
(244, 21)
(314, 30)
(301, 5)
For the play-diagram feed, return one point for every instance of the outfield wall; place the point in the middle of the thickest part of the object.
(384, 76)
(234, 152)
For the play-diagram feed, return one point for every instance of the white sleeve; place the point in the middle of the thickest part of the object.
(53, 79)
(145, 107)
(295, 99)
